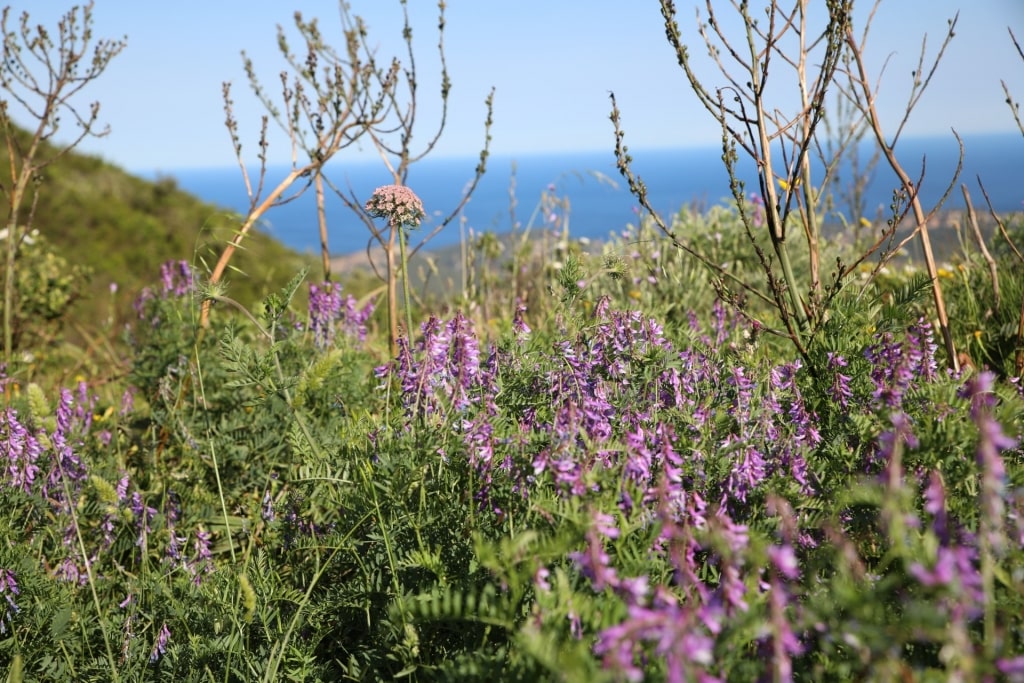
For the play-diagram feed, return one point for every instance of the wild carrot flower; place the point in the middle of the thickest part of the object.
(397, 203)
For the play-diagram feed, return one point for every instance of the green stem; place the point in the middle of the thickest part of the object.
(405, 285)
(11, 245)
(88, 572)
(213, 450)
(791, 284)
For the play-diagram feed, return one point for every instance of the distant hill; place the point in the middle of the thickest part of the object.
(122, 228)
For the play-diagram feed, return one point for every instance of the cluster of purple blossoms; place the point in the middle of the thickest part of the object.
(9, 590)
(20, 451)
(177, 280)
(48, 468)
(955, 563)
(329, 310)
(992, 441)
(163, 636)
(443, 372)
(896, 365)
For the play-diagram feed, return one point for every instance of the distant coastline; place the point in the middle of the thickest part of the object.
(600, 204)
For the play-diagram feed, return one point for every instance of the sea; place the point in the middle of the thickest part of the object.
(534, 190)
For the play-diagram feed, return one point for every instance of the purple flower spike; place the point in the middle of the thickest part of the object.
(9, 590)
(19, 452)
(160, 647)
(991, 441)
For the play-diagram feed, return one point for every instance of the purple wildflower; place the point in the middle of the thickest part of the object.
(1012, 668)
(19, 452)
(204, 558)
(594, 563)
(840, 390)
(328, 310)
(896, 366)
(991, 441)
(128, 401)
(176, 278)
(677, 632)
(143, 516)
(519, 327)
(757, 219)
(267, 508)
(9, 590)
(160, 646)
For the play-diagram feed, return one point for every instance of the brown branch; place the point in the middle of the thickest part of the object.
(919, 216)
(992, 268)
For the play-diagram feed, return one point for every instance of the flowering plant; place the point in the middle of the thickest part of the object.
(397, 203)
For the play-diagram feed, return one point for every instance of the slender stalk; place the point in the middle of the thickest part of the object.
(321, 216)
(392, 292)
(993, 269)
(405, 284)
(88, 570)
(908, 185)
(250, 221)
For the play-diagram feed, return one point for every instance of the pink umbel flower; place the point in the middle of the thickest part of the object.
(397, 203)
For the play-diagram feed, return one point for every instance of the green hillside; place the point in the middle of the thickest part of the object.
(119, 228)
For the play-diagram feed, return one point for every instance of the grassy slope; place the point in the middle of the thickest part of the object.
(123, 227)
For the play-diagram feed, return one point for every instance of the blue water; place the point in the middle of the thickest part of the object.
(600, 202)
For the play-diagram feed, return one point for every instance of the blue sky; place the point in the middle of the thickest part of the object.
(552, 63)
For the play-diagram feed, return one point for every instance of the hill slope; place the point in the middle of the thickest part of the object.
(121, 228)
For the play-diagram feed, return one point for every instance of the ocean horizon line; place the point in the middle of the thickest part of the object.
(359, 160)
(598, 198)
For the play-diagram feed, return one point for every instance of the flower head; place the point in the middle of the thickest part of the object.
(397, 203)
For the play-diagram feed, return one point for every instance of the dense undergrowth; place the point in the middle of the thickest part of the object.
(612, 477)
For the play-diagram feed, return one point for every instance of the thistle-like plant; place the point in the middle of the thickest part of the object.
(401, 208)
(331, 100)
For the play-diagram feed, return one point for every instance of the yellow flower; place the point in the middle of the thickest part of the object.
(944, 273)
(864, 222)
(785, 186)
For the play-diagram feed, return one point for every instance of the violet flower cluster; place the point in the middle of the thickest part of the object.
(47, 473)
(177, 280)
(689, 440)
(329, 311)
